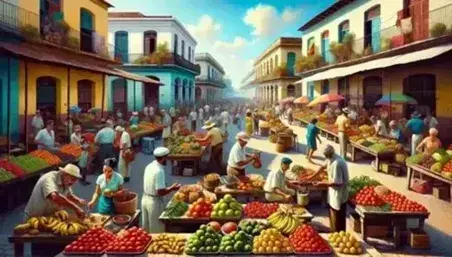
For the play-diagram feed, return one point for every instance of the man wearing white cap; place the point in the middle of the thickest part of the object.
(166, 123)
(104, 138)
(238, 158)
(53, 192)
(134, 120)
(155, 189)
(124, 148)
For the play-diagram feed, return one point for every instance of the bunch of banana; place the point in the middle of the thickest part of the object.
(70, 228)
(62, 215)
(283, 221)
(290, 209)
(171, 244)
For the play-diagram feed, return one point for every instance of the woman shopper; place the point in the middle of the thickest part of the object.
(125, 145)
(312, 135)
(248, 123)
(107, 185)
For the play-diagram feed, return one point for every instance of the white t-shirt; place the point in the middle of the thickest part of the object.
(237, 154)
(151, 111)
(193, 116)
(154, 178)
(275, 179)
(337, 173)
(201, 113)
(353, 115)
(37, 122)
(146, 111)
(46, 138)
(224, 117)
(76, 139)
(125, 139)
(383, 131)
(206, 108)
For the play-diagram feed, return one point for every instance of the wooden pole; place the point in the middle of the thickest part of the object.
(8, 101)
(103, 96)
(26, 106)
(68, 100)
(134, 95)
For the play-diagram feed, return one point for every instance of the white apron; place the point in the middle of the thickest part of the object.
(123, 165)
(415, 141)
(151, 209)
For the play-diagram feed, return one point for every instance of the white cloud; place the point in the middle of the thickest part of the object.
(206, 29)
(231, 47)
(266, 20)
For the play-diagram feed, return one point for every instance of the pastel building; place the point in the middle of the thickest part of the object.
(157, 47)
(210, 84)
(371, 48)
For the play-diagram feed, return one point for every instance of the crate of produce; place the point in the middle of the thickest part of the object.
(391, 168)
(418, 239)
(421, 186)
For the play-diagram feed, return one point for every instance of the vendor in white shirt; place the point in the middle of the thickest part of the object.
(276, 188)
(238, 158)
(46, 136)
(37, 123)
(353, 115)
(380, 127)
(155, 189)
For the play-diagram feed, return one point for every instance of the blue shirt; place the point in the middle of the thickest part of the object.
(115, 182)
(397, 134)
(416, 125)
(105, 136)
(134, 120)
(312, 131)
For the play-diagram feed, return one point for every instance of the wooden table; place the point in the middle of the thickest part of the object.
(412, 168)
(388, 155)
(183, 160)
(396, 219)
(241, 196)
(55, 243)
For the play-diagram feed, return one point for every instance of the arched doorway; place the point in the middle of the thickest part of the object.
(184, 90)
(177, 85)
(372, 91)
(190, 91)
(46, 97)
(421, 87)
(151, 93)
(119, 87)
(150, 42)
(86, 30)
(290, 91)
(85, 94)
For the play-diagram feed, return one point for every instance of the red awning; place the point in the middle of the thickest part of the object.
(55, 55)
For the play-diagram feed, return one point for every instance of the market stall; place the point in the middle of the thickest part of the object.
(186, 154)
(49, 235)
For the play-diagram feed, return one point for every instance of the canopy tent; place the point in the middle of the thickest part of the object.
(325, 98)
(378, 63)
(395, 98)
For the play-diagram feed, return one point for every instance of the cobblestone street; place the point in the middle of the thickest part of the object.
(438, 226)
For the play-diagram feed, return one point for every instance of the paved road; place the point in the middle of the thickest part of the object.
(439, 225)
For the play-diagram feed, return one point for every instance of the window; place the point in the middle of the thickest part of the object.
(276, 60)
(176, 41)
(122, 46)
(189, 53)
(86, 31)
(150, 42)
(182, 50)
(325, 86)
(311, 46)
(290, 63)
(208, 72)
(372, 27)
(325, 47)
(343, 87)
(344, 28)
(310, 92)
(271, 64)
(291, 91)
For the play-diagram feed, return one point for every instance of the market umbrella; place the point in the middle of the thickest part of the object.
(325, 98)
(302, 100)
(395, 99)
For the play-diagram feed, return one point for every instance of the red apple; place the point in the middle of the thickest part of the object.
(215, 225)
(229, 227)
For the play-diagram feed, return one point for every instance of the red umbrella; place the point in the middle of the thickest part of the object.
(326, 98)
(302, 100)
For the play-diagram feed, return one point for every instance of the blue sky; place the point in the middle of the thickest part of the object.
(235, 32)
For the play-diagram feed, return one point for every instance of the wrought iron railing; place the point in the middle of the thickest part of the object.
(216, 81)
(438, 23)
(45, 28)
(156, 59)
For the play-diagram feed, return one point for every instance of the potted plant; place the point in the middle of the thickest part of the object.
(30, 32)
(438, 30)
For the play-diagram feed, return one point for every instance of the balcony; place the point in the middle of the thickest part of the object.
(28, 25)
(158, 59)
(212, 81)
(437, 23)
(277, 73)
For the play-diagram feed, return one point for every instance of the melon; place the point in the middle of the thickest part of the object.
(381, 190)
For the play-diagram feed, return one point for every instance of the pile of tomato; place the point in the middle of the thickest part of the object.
(305, 239)
(260, 210)
(132, 240)
(368, 197)
(399, 202)
(93, 241)
(200, 209)
(14, 169)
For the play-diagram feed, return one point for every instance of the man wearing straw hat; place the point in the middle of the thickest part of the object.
(155, 189)
(215, 136)
(53, 192)
(238, 158)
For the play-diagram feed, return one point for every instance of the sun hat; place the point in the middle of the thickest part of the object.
(346, 110)
(208, 125)
(119, 129)
(286, 160)
(242, 136)
(161, 151)
(71, 170)
(135, 113)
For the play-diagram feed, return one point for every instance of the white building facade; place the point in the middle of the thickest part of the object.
(210, 84)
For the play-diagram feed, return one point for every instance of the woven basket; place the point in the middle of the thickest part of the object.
(127, 207)
(211, 184)
(280, 147)
(265, 132)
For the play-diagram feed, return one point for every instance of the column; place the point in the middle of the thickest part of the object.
(180, 97)
(193, 93)
(276, 94)
(187, 94)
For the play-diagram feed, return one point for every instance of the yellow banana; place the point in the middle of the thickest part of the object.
(22, 228)
(56, 228)
(35, 224)
(43, 222)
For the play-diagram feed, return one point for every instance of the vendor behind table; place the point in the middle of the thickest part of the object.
(276, 188)
(238, 158)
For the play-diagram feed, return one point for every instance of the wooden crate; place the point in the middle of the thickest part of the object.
(378, 231)
(418, 239)
(391, 168)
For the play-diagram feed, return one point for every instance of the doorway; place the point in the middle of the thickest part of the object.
(46, 97)
(290, 91)
(372, 90)
(198, 93)
(86, 31)
(421, 87)
(120, 96)
(372, 29)
(85, 94)
(290, 63)
(343, 87)
(151, 93)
